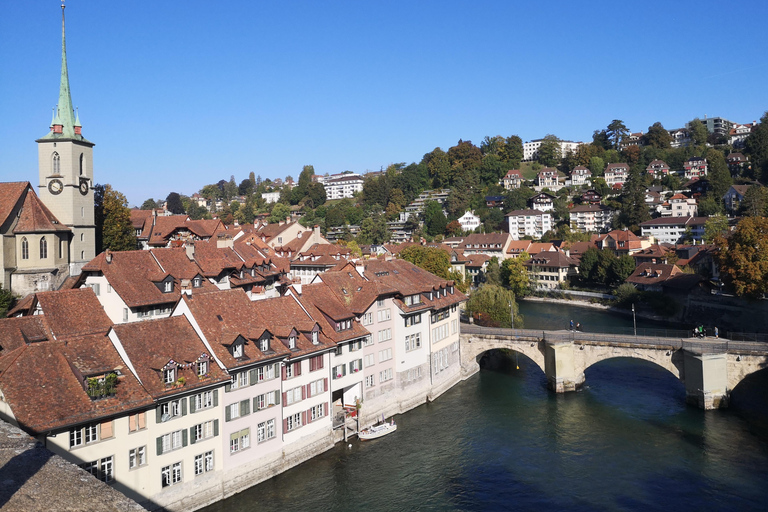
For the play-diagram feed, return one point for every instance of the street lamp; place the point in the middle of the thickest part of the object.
(634, 319)
(512, 314)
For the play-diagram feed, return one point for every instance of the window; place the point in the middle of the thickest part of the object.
(169, 375)
(82, 166)
(440, 315)
(385, 335)
(317, 387)
(264, 344)
(367, 318)
(265, 431)
(171, 410)
(137, 457)
(239, 441)
(168, 286)
(384, 314)
(413, 319)
(339, 371)
(440, 333)
(171, 441)
(315, 339)
(197, 282)
(267, 372)
(204, 400)
(292, 370)
(380, 303)
(316, 363)
(237, 350)
(355, 345)
(171, 474)
(293, 422)
(368, 341)
(356, 365)
(266, 400)
(24, 249)
(203, 463)
(103, 469)
(203, 430)
(239, 380)
(43, 248)
(370, 381)
(56, 163)
(412, 342)
(385, 355)
(370, 360)
(137, 422)
(294, 395)
(317, 412)
(291, 342)
(385, 375)
(202, 368)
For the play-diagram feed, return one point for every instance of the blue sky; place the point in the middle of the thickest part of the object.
(180, 94)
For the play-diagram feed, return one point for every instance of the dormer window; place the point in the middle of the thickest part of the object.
(202, 368)
(292, 342)
(264, 344)
(197, 282)
(169, 375)
(315, 340)
(237, 350)
(168, 286)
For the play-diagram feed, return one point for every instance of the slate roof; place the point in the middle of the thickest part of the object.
(152, 344)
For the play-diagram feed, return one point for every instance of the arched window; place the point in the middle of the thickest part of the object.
(82, 164)
(24, 248)
(56, 163)
(43, 248)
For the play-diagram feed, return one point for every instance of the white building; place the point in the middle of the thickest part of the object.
(533, 223)
(591, 218)
(531, 149)
(271, 197)
(469, 221)
(673, 230)
(342, 185)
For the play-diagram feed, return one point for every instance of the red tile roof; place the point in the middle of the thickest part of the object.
(74, 312)
(10, 196)
(37, 218)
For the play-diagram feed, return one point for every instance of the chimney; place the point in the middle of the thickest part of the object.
(225, 241)
(190, 249)
(186, 287)
(108, 256)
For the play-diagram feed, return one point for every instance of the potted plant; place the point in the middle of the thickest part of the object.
(181, 381)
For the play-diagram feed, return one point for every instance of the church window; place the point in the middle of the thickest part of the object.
(82, 164)
(56, 163)
(43, 248)
(24, 249)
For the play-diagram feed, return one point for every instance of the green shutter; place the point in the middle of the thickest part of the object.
(183, 406)
(215, 428)
(192, 438)
(277, 397)
(160, 445)
(159, 414)
(227, 388)
(252, 377)
(255, 404)
(215, 397)
(184, 437)
(192, 404)
(227, 415)
(245, 408)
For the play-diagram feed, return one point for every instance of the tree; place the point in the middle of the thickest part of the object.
(616, 133)
(718, 174)
(600, 139)
(245, 188)
(279, 213)
(708, 206)
(439, 167)
(657, 137)
(549, 151)
(756, 146)
(149, 204)
(716, 225)
(431, 259)
(512, 153)
(698, 131)
(453, 228)
(755, 202)
(6, 301)
(743, 258)
(633, 208)
(493, 272)
(117, 230)
(434, 218)
(174, 204)
(493, 306)
(373, 230)
(621, 268)
(597, 166)
(514, 274)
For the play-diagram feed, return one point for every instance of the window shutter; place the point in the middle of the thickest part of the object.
(255, 404)
(252, 376)
(277, 368)
(303, 392)
(282, 373)
(312, 364)
(325, 384)
(183, 406)
(215, 397)
(159, 418)
(160, 445)
(304, 417)
(285, 397)
(192, 404)
(243, 408)
(247, 406)
(320, 361)
(297, 367)
(285, 425)
(277, 397)
(215, 428)
(227, 388)
(106, 429)
(227, 414)
(192, 437)
(308, 416)
(142, 419)
(184, 437)
(132, 422)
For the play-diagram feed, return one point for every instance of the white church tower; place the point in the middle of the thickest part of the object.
(66, 172)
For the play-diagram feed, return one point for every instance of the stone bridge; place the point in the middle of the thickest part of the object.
(709, 368)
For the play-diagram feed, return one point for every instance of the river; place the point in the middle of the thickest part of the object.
(502, 441)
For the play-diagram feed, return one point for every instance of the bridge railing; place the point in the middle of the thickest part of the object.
(748, 336)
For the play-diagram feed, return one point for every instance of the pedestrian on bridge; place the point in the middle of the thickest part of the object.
(571, 324)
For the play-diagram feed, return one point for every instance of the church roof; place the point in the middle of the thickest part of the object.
(10, 193)
(35, 217)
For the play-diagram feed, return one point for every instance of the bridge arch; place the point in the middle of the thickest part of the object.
(474, 346)
(670, 360)
(741, 366)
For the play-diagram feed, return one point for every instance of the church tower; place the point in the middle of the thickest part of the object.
(65, 162)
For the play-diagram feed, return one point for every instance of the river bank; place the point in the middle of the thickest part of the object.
(646, 315)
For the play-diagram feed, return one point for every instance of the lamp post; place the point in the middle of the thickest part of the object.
(634, 319)
(512, 314)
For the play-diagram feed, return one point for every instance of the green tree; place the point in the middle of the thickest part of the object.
(755, 202)
(549, 151)
(621, 268)
(718, 174)
(601, 140)
(174, 204)
(149, 204)
(657, 137)
(743, 258)
(616, 133)
(431, 259)
(245, 188)
(117, 229)
(373, 230)
(493, 306)
(756, 146)
(493, 272)
(708, 206)
(435, 221)
(597, 166)
(698, 131)
(512, 153)
(514, 274)
(716, 225)
(439, 167)
(633, 209)
(279, 213)
(6, 301)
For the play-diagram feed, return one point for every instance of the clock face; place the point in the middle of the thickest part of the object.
(83, 187)
(55, 187)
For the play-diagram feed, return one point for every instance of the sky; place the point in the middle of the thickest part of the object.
(177, 95)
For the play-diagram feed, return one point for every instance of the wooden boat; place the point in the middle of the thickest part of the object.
(378, 430)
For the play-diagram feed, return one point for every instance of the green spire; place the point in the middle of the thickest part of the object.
(65, 112)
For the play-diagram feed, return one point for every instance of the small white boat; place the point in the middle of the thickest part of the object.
(378, 430)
